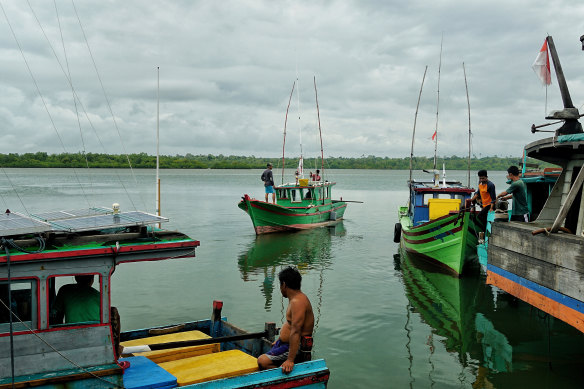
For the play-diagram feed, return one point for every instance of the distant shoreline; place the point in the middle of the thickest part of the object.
(189, 161)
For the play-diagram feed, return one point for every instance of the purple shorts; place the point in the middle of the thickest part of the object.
(279, 352)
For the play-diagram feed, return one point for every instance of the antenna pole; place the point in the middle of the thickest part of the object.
(415, 119)
(438, 104)
(158, 142)
(319, 130)
(469, 131)
(285, 123)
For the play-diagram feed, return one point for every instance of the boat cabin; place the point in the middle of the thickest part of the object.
(41, 262)
(429, 201)
(304, 194)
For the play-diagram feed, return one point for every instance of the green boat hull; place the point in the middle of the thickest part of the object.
(268, 217)
(449, 241)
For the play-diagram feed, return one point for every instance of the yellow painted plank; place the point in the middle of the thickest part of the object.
(173, 354)
(211, 367)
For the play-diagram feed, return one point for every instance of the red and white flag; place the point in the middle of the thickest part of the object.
(434, 134)
(541, 66)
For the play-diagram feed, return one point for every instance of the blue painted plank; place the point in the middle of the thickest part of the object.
(549, 293)
(145, 374)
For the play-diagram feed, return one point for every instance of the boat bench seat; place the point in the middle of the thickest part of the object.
(145, 374)
(211, 367)
(173, 354)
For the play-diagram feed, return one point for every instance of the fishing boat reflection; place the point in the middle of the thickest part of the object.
(490, 333)
(307, 250)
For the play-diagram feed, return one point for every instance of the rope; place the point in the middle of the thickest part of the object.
(108, 103)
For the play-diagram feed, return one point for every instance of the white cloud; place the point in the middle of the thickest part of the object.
(226, 70)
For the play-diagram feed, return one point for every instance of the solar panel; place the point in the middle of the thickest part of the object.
(100, 222)
(17, 224)
(59, 215)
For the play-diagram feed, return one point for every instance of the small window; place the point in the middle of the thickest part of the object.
(308, 195)
(296, 195)
(282, 194)
(24, 305)
(75, 300)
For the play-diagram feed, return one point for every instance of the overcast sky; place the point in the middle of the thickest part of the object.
(227, 69)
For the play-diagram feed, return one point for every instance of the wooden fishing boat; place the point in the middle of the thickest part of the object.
(307, 204)
(41, 253)
(540, 262)
(436, 225)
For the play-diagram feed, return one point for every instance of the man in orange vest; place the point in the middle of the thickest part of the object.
(487, 194)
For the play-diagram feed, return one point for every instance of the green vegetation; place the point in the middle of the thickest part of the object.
(189, 161)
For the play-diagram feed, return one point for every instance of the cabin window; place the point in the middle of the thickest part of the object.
(296, 195)
(282, 194)
(328, 192)
(317, 193)
(308, 195)
(75, 300)
(24, 305)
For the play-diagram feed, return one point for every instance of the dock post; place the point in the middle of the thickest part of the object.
(270, 328)
(216, 325)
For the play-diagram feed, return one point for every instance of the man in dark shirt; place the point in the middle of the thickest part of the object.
(518, 191)
(268, 180)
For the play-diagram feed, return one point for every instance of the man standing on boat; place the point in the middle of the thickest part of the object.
(268, 180)
(518, 191)
(295, 342)
(487, 194)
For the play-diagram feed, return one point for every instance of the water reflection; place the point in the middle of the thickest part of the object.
(491, 333)
(308, 250)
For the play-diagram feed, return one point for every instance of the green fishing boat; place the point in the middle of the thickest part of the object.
(307, 204)
(436, 226)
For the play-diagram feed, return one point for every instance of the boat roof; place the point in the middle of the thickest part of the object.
(452, 186)
(557, 149)
(311, 184)
(90, 233)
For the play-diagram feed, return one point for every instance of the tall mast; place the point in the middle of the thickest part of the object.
(415, 119)
(319, 130)
(158, 142)
(437, 105)
(301, 162)
(285, 123)
(469, 132)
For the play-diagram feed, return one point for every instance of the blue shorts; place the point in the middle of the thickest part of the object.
(270, 189)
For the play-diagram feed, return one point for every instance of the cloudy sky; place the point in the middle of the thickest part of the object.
(227, 69)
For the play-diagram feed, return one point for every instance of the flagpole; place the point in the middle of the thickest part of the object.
(437, 107)
(469, 132)
(158, 142)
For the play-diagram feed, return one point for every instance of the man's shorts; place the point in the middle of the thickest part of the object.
(279, 352)
(270, 189)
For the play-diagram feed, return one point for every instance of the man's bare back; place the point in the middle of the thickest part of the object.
(299, 305)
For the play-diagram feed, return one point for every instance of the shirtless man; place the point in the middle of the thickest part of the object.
(295, 340)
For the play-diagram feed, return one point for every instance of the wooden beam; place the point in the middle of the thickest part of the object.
(565, 208)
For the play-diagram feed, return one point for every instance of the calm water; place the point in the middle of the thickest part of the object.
(381, 320)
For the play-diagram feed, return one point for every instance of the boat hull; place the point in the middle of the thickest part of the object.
(448, 241)
(269, 218)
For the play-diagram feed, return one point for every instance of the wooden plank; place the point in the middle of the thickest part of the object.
(562, 280)
(562, 250)
(90, 346)
(113, 375)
